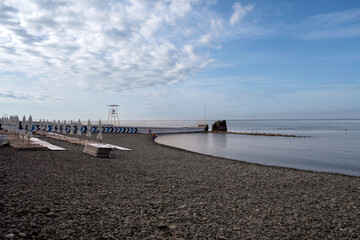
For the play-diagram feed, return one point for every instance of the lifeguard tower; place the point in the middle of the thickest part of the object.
(113, 117)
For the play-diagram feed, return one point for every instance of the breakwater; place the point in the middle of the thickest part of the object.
(261, 134)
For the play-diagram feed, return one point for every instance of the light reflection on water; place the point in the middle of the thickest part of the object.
(330, 148)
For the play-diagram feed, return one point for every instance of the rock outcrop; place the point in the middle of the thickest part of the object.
(219, 126)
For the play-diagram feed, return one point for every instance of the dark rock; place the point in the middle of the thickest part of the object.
(219, 126)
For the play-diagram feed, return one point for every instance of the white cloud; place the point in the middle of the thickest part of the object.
(109, 45)
(9, 95)
(216, 27)
(342, 24)
(239, 13)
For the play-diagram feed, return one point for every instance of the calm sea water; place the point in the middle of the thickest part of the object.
(333, 145)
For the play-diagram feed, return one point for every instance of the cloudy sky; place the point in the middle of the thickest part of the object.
(164, 59)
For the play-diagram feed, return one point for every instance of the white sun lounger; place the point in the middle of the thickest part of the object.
(47, 145)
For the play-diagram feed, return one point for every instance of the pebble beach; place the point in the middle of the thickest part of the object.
(159, 192)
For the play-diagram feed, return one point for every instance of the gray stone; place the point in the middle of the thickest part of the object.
(9, 236)
(22, 234)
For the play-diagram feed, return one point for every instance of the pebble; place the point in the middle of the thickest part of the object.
(62, 195)
(9, 236)
(22, 234)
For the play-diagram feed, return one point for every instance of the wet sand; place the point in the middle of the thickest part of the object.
(160, 192)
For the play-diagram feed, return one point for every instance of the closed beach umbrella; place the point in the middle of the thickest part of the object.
(23, 127)
(7, 124)
(54, 124)
(100, 136)
(11, 121)
(14, 124)
(29, 132)
(40, 125)
(88, 134)
(46, 126)
(58, 126)
(17, 125)
(64, 127)
(71, 128)
(79, 128)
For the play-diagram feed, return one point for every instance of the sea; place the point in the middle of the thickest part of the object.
(325, 146)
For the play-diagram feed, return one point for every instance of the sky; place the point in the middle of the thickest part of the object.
(164, 60)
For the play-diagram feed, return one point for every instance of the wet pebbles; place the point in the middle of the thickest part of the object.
(159, 192)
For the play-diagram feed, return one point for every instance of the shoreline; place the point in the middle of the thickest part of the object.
(158, 191)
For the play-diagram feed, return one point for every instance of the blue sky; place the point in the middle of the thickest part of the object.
(165, 59)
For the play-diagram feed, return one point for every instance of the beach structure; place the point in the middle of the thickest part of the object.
(113, 117)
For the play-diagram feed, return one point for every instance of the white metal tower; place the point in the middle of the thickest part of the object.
(113, 117)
